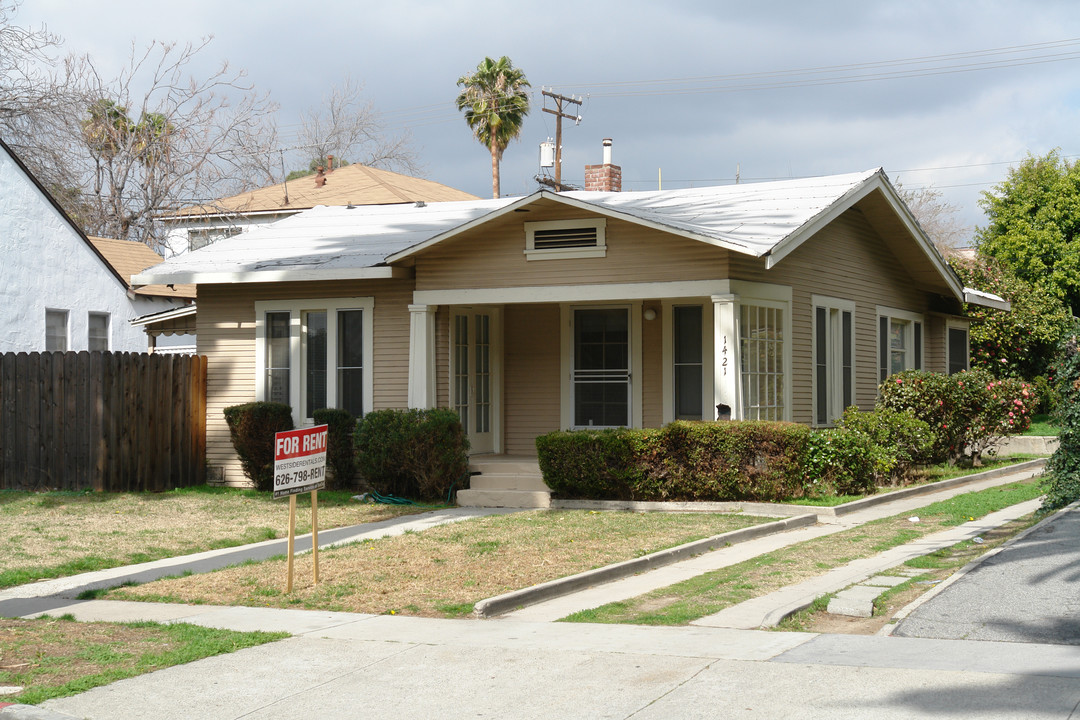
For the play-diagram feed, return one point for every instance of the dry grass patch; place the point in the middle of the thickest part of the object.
(444, 571)
(63, 533)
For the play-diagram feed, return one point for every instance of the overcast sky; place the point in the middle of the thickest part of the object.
(954, 123)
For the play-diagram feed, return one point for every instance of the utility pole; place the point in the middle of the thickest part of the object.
(559, 115)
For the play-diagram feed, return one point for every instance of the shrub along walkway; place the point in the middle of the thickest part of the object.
(770, 609)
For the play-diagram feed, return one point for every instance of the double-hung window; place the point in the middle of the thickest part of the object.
(56, 330)
(312, 354)
(97, 331)
(834, 363)
(900, 341)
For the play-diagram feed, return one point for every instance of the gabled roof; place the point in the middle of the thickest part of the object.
(63, 214)
(129, 258)
(760, 219)
(349, 185)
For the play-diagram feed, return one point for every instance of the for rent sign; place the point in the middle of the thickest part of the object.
(299, 461)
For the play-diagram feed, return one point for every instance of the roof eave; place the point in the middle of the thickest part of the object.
(377, 272)
(877, 181)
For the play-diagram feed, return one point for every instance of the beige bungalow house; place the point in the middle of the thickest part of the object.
(783, 300)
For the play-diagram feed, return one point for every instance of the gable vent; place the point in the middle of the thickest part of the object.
(561, 238)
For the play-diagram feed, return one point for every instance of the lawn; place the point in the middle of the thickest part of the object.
(57, 657)
(54, 534)
(1043, 425)
(444, 571)
(709, 593)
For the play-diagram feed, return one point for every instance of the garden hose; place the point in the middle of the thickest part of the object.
(390, 499)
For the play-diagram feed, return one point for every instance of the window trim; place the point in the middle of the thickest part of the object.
(834, 360)
(296, 308)
(108, 329)
(596, 251)
(915, 350)
(951, 324)
(66, 315)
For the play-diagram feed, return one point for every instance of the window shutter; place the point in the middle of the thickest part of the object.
(883, 347)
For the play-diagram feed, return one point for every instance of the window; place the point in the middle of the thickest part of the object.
(834, 376)
(312, 354)
(601, 375)
(56, 330)
(899, 342)
(687, 359)
(201, 237)
(564, 239)
(761, 349)
(97, 331)
(956, 347)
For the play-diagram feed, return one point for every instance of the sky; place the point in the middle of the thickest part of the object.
(691, 93)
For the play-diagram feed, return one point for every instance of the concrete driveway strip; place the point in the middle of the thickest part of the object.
(1026, 592)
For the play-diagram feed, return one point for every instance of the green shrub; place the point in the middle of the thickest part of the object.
(590, 463)
(839, 461)
(899, 441)
(420, 454)
(1046, 394)
(252, 427)
(340, 452)
(1062, 480)
(682, 461)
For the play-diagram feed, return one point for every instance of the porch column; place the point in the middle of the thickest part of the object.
(422, 356)
(726, 354)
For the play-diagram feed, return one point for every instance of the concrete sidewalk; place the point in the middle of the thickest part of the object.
(344, 665)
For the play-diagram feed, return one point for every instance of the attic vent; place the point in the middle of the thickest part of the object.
(564, 239)
(568, 238)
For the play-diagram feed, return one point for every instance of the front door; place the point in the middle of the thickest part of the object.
(474, 377)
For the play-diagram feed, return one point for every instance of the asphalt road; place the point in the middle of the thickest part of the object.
(1028, 592)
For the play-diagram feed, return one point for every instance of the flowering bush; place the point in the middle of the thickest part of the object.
(969, 412)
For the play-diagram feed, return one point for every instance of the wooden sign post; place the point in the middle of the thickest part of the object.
(300, 466)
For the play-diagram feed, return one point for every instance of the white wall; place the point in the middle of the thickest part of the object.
(45, 264)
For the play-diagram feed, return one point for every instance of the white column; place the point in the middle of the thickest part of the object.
(726, 354)
(422, 356)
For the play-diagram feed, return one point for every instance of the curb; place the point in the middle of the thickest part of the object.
(874, 500)
(31, 712)
(933, 592)
(564, 586)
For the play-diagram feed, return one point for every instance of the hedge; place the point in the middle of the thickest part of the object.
(751, 460)
(252, 427)
(421, 454)
(340, 453)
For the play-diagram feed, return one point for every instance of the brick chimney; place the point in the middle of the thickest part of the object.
(320, 177)
(606, 177)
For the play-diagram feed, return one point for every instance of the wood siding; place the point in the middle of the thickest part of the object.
(494, 256)
(226, 334)
(531, 382)
(846, 260)
(651, 373)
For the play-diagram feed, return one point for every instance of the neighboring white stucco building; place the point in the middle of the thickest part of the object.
(57, 291)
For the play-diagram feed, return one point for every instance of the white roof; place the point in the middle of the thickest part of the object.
(341, 242)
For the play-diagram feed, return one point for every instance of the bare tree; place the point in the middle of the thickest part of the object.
(350, 129)
(156, 138)
(937, 217)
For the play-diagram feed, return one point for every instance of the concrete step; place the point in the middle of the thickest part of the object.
(505, 481)
(500, 467)
(504, 498)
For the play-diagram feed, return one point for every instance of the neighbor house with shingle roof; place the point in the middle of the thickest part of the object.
(194, 227)
(776, 301)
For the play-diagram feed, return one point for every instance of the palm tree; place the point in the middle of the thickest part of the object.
(495, 104)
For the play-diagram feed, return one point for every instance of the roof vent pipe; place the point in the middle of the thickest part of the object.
(607, 151)
(329, 164)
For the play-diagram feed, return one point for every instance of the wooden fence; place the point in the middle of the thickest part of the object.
(103, 421)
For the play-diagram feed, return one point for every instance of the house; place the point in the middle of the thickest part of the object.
(782, 301)
(194, 227)
(59, 289)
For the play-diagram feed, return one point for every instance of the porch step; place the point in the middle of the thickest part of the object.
(505, 481)
(504, 498)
